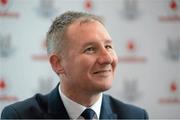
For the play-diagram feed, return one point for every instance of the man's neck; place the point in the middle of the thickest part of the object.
(81, 97)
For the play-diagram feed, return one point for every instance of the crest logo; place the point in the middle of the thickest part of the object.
(131, 48)
(43, 55)
(130, 10)
(6, 48)
(45, 85)
(131, 90)
(173, 49)
(46, 8)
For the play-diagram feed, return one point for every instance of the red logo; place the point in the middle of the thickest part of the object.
(4, 5)
(88, 5)
(131, 46)
(3, 2)
(3, 93)
(173, 97)
(173, 87)
(173, 5)
(2, 84)
(172, 12)
(131, 56)
(4, 9)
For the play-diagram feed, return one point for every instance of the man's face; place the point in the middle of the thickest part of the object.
(90, 59)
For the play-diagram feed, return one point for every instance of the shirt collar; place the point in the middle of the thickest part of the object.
(77, 108)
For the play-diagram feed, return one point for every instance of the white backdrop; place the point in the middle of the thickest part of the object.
(146, 35)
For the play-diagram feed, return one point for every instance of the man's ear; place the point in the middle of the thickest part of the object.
(56, 64)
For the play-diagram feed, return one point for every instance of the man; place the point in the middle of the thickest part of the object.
(82, 54)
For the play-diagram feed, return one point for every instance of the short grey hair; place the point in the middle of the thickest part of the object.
(56, 34)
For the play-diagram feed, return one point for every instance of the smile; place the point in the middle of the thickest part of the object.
(102, 71)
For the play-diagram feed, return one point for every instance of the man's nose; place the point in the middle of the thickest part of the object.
(105, 57)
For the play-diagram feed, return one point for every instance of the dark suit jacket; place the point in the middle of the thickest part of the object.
(51, 106)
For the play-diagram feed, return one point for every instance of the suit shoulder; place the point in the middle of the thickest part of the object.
(128, 110)
(117, 103)
(34, 105)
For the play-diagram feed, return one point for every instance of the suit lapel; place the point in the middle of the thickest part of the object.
(106, 111)
(56, 107)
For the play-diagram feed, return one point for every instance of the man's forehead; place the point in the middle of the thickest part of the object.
(77, 31)
(79, 23)
(93, 42)
(82, 27)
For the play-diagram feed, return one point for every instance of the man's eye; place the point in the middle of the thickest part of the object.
(109, 47)
(90, 50)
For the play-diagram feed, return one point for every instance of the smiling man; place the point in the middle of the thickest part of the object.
(82, 54)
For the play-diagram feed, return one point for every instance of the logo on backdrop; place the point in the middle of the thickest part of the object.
(131, 56)
(130, 9)
(46, 8)
(88, 5)
(173, 96)
(4, 96)
(172, 11)
(173, 49)
(6, 48)
(2, 85)
(42, 56)
(5, 5)
(131, 90)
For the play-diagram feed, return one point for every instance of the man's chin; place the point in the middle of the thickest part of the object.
(105, 88)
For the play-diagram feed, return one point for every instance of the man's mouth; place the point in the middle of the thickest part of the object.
(101, 71)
